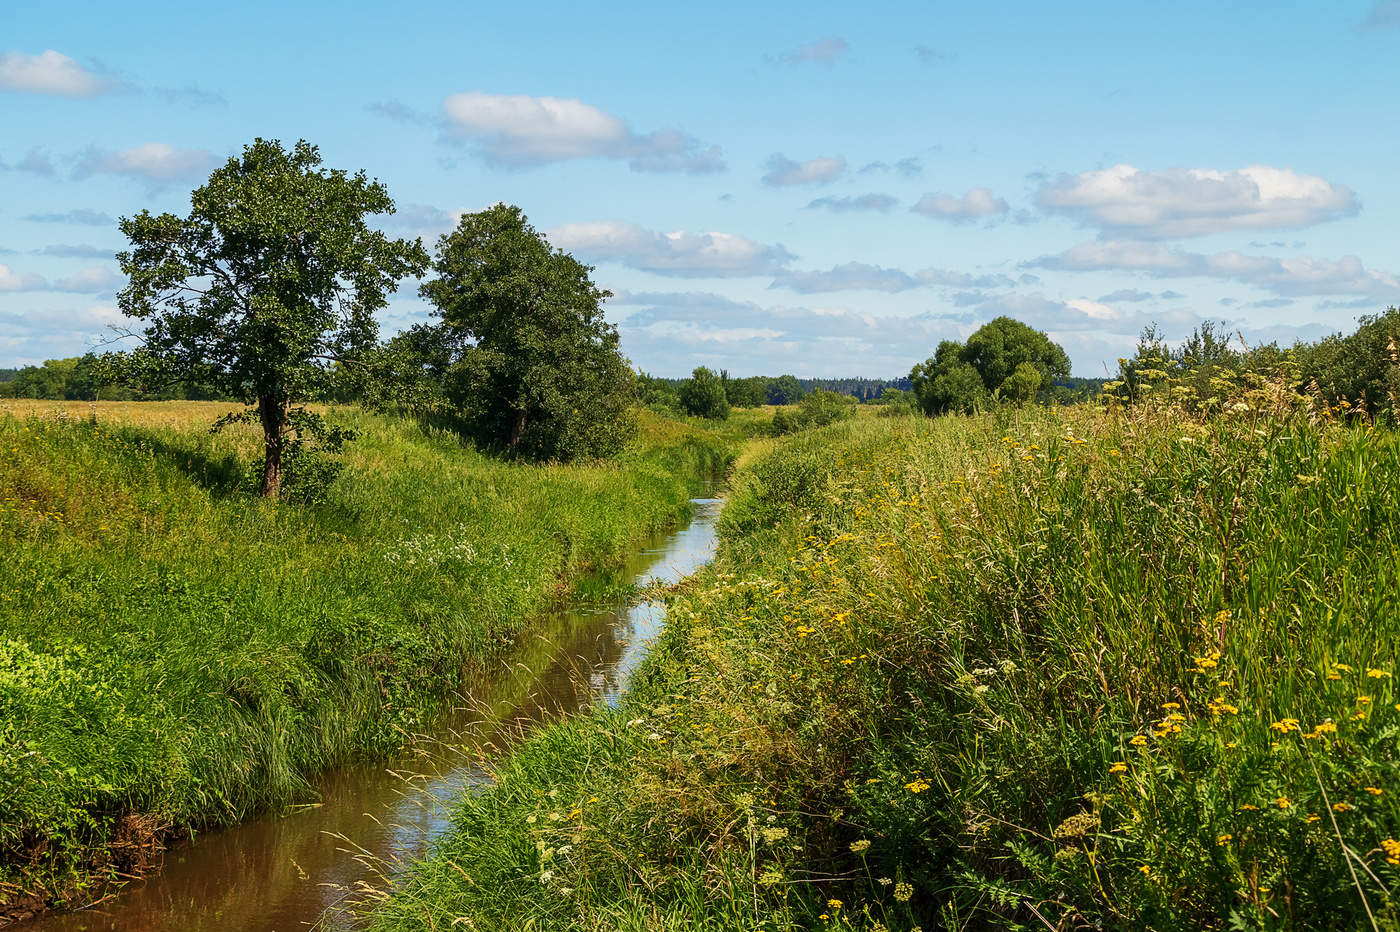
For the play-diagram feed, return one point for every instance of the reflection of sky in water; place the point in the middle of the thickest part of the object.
(279, 874)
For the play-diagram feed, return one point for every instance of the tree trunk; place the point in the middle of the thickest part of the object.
(516, 430)
(273, 416)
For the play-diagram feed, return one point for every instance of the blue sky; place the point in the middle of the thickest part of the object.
(813, 188)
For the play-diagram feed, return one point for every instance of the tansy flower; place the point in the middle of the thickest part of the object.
(1314, 817)
(1343, 807)
(1283, 802)
(1249, 807)
(1138, 741)
(916, 786)
(1118, 767)
(1224, 839)
(833, 904)
(1374, 790)
(1145, 869)
(1376, 674)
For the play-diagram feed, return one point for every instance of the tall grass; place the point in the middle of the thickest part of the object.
(176, 653)
(1041, 669)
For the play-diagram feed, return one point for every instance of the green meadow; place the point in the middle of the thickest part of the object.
(176, 653)
(1093, 667)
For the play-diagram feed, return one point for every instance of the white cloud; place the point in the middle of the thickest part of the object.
(680, 254)
(784, 171)
(517, 130)
(909, 167)
(11, 280)
(1126, 201)
(31, 336)
(824, 51)
(87, 281)
(854, 276)
(1293, 276)
(878, 202)
(157, 163)
(977, 204)
(91, 280)
(49, 73)
(850, 276)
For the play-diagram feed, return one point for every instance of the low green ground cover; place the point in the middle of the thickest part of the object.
(1040, 669)
(176, 653)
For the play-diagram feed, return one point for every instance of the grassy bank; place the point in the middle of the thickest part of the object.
(1052, 669)
(175, 653)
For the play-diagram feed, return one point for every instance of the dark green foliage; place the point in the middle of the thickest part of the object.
(660, 395)
(785, 390)
(702, 395)
(523, 359)
(273, 276)
(1005, 360)
(1362, 369)
(745, 393)
(82, 378)
(816, 409)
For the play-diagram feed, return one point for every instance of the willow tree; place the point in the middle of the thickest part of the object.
(270, 281)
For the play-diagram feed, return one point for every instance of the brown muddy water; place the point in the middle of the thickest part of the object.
(294, 870)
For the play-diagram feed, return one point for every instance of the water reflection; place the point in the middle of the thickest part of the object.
(280, 874)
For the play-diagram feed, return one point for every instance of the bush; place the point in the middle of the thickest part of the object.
(702, 395)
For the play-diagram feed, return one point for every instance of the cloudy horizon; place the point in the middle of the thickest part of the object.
(815, 190)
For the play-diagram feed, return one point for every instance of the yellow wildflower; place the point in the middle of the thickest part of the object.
(1118, 767)
(1343, 807)
(1224, 839)
(1376, 674)
(860, 846)
(902, 892)
(833, 904)
(1283, 802)
(1374, 790)
(917, 785)
(1138, 741)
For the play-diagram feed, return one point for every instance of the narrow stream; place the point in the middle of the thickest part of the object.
(281, 872)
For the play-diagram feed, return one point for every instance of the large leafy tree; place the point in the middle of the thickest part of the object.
(523, 356)
(272, 279)
(1004, 360)
(702, 395)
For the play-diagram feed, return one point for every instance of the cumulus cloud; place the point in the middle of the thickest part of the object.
(1384, 15)
(878, 202)
(11, 280)
(50, 73)
(823, 51)
(673, 332)
(848, 277)
(1292, 277)
(156, 163)
(680, 254)
(29, 337)
(82, 216)
(977, 204)
(88, 281)
(783, 171)
(517, 130)
(93, 280)
(1125, 201)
